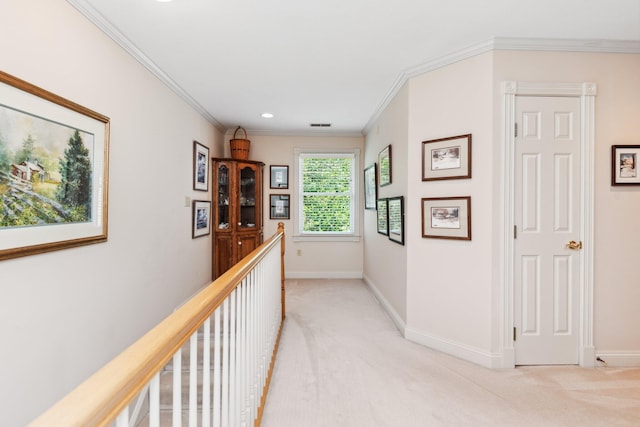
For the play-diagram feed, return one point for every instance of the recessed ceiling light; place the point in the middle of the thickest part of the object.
(267, 115)
(163, 1)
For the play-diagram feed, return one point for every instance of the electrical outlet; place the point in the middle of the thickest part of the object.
(187, 202)
(299, 252)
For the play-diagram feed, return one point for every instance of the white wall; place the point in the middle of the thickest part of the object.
(317, 259)
(454, 289)
(385, 262)
(66, 313)
(449, 281)
(617, 248)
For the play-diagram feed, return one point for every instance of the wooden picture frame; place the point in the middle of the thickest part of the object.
(396, 219)
(54, 169)
(279, 177)
(201, 218)
(446, 218)
(200, 167)
(279, 206)
(446, 158)
(370, 187)
(384, 166)
(383, 216)
(624, 165)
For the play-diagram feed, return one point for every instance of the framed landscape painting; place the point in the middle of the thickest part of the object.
(53, 171)
(279, 206)
(279, 177)
(201, 218)
(370, 187)
(383, 216)
(446, 158)
(395, 207)
(446, 218)
(200, 167)
(624, 164)
(384, 166)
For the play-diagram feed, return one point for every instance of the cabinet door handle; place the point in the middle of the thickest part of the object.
(239, 224)
(240, 243)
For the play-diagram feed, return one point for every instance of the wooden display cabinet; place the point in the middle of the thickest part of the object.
(237, 211)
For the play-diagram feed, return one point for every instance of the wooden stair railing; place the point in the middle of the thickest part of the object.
(105, 397)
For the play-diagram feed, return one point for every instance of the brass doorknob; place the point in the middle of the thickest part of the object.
(574, 245)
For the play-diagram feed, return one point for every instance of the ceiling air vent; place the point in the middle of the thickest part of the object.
(320, 125)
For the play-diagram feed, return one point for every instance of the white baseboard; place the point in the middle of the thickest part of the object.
(456, 349)
(395, 317)
(323, 274)
(480, 357)
(619, 359)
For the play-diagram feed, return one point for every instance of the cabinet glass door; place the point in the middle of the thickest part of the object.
(247, 198)
(223, 197)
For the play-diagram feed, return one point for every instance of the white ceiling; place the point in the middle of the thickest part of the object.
(331, 61)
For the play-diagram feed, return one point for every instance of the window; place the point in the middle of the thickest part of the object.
(327, 194)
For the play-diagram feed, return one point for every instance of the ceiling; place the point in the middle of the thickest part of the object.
(332, 61)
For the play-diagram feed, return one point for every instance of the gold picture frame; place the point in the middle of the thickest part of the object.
(53, 171)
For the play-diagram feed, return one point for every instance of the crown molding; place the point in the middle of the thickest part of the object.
(503, 43)
(567, 45)
(300, 133)
(103, 24)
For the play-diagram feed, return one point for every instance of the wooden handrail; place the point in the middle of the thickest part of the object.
(104, 395)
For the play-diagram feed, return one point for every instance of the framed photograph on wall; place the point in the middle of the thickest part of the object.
(200, 167)
(54, 171)
(624, 165)
(446, 158)
(279, 206)
(384, 165)
(383, 217)
(201, 215)
(446, 218)
(396, 219)
(279, 177)
(370, 187)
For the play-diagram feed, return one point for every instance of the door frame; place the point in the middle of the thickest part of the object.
(586, 92)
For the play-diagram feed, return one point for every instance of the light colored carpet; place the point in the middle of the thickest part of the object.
(342, 362)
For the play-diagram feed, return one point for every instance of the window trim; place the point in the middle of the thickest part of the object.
(354, 235)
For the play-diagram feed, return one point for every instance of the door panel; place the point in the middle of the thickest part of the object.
(547, 217)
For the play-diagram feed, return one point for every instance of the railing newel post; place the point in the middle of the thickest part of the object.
(281, 230)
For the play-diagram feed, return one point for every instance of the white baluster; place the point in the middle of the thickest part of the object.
(123, 418)
(217, 365)
(177, 389)
(154, 401)
(233, 345)
(224, 416)
(193, 381)
(206, 375)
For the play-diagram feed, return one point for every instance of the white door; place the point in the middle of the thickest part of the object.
(547, 218)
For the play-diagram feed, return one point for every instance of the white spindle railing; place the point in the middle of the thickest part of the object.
(231, 331)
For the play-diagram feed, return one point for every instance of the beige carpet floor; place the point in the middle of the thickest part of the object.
(342, 362)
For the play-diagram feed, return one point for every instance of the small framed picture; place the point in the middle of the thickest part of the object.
(446, 218)
(200, 167)
(446, 158)
(384, 163)
(201, 218)
(383, 217)
(279, 206)
(279, 177)
(624, 165)
(396, 219)
(370, 187)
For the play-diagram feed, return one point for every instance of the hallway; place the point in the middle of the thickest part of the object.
(342, 362)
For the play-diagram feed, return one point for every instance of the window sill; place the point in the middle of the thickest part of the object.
(326, 238)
